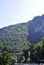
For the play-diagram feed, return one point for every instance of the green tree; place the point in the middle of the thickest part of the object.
(25, 54)
(5, 57)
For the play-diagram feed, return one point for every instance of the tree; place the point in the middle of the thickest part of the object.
(5, 57)
(25, 54)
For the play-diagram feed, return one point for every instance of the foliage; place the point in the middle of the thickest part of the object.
(4, 57)
(14, 58)
(25, 54)
(18, 36)
(15, 38)
(37, 51)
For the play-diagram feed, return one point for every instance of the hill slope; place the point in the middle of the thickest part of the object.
(16, 37)
(36, 29)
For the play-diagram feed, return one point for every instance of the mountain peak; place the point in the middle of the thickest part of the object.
(36, 28)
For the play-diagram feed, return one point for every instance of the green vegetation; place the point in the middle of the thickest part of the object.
(36, 54)
(37, 51)
(21, 38)
(15, 38)
(4, 57)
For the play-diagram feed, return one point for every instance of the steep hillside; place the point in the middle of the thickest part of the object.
(36, 29)
(19, 36)
(14, 37)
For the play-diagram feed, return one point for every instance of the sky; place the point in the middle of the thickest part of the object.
(19, 11)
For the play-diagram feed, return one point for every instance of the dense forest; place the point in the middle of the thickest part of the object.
(36, 54)
(21, 38)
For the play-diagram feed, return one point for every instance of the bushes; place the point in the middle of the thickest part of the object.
(4, 57)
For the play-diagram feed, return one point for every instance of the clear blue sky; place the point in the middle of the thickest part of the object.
(17, 11)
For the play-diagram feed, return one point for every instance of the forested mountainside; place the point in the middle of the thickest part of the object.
(20, 36)
(14, 37)
(36, 29)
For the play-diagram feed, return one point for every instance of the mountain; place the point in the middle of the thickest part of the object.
(36, 29)
(20, 36)
(14, 37)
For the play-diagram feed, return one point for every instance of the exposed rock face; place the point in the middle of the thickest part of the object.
(36, 29)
